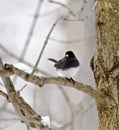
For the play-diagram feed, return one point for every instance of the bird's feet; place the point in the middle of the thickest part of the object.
(70, 79)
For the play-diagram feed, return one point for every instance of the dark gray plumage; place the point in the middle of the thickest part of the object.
(69, 61)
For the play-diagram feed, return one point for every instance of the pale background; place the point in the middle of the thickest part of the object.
(16, 17)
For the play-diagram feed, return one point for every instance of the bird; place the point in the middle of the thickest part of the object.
(68, 66)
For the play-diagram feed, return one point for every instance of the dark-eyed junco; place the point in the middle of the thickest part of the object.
(67, 66)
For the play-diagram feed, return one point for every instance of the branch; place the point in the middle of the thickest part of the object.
(45, 43)
(64, 6)
(40, 81)
(23, 61)
(3, 94)
(75, 41)
(86, 17)
(26, 114)
(32, 28)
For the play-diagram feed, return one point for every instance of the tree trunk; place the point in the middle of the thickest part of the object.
(106, 63)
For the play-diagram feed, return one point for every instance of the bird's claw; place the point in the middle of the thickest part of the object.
(70, 79)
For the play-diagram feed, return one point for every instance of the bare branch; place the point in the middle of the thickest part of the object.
(32, 27)
(86, 17)
(90, 13)
(9, 119)
(10, 122)
(45, 43)
(26, 114)
(22, 88)
(40, 81)
(25, 62)
(64, 6)
(3, 94)
(69, 104)
(75, 41)
(83, 7)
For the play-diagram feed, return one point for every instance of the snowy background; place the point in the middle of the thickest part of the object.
(16, 19)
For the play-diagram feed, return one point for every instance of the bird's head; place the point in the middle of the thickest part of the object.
(69, 54)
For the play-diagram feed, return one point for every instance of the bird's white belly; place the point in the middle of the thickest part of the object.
(68, 72)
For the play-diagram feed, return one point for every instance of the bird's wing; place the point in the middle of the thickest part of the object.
(59, 64)
(66, 63)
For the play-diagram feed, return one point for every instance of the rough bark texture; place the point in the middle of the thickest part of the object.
(106, 63)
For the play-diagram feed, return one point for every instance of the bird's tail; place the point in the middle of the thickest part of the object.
(53, 60)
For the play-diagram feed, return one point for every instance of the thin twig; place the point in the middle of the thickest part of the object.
(32, 28)
(30, 33)
(22, 88)
(45, 43)
(3, 94)
(35, 97)
(9, 119)
(75, 41)
(81, 108)
(86, 17)
(83, 7)
(11, 122)
(64, 6)
(25, 62)
(57, 9)
(70, 106)
(91, 12)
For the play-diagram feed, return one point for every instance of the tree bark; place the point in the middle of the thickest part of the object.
(105, 63)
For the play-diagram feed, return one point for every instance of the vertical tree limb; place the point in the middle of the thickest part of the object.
(106, 58)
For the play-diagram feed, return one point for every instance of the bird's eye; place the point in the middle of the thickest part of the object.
(66, 55)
